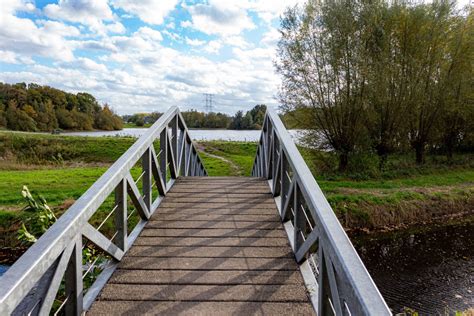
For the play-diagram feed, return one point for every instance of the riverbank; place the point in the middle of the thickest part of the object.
(61, 168)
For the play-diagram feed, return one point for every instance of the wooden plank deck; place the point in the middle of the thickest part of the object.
(215, 246)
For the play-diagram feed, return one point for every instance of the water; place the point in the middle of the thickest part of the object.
(196, 134)
(3, 269)
(431, 272)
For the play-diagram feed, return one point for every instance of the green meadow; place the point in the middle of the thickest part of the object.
(61, 168)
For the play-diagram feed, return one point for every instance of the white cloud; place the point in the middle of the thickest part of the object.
(83, 63)
(11, 6)
(194, 42)
(92, 13)
(12, 58)
(186, 24)
(174, 36)
(149, 11)
(23, 37)
(236, 40)
(213, 47)
(149, 34)
(54, 27)
(271, 37)
(220, 17)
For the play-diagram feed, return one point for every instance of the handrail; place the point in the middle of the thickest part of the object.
(336, 278)
(30, 285)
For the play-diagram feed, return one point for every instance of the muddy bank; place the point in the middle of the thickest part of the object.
(428, 269)
(371, 217)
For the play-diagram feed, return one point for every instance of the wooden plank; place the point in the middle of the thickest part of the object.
(211, 241)
(209, 252)
(225, 263)
(226, 232)
(206, 277)
(222, 199)
(215, 245)
(211, 225)
(218, 210)
(199, 308)
(216, 218)
(255, 293)
(248, 195)
(191, 205)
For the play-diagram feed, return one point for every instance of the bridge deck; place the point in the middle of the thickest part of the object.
(214, 246)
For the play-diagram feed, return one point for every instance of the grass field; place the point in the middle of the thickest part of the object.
(62, 168)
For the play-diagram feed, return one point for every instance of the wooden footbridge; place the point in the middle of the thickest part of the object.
(185, 243)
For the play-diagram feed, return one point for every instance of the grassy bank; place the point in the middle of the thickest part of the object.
(33, 149)
(61, 168)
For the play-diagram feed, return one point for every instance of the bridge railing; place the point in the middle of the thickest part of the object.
(337, 280)
(54, 275)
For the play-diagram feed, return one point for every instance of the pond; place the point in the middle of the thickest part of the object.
(196, 134)
(430, 271)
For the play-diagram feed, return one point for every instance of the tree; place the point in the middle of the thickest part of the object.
(429, 68)
(105, 119)
(3, 120)
(458, 114)
(33, 107)
(237, 121)
(247, 121)
(321, 53)
(258, 114)
(17, 119)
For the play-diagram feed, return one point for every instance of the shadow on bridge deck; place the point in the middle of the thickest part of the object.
(215, 245)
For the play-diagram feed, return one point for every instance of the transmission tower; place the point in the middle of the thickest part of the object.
(209, 100)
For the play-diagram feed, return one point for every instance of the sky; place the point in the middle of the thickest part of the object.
(147, 55)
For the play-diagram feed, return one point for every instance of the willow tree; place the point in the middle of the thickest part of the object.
(426, 38)
(322, 59)
(389, 77)
(457, 119)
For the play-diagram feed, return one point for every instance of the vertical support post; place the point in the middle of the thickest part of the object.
(187, 160)
(73, 281)
(182, 147)
(146, 179)
(164, 154)
(299, 220)
(285, 182)
(263, 153)
(276, 166)
(323, 305)
(174, 142)
(121, 215)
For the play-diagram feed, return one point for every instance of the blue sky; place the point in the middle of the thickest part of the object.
(146, 55)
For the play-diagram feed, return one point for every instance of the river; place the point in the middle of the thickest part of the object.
(196, 134)
(430, 271)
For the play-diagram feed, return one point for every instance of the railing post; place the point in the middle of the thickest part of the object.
(164, 154)
(121, 215)
(146, 179)
(299, 220)
(285, 182)
(174, 142)
(73, 281)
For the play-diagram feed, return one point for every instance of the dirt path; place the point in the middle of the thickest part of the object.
(237, 170)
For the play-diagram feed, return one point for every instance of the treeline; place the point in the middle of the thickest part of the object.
(379, 76)
(252, 119)
(41, 108)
